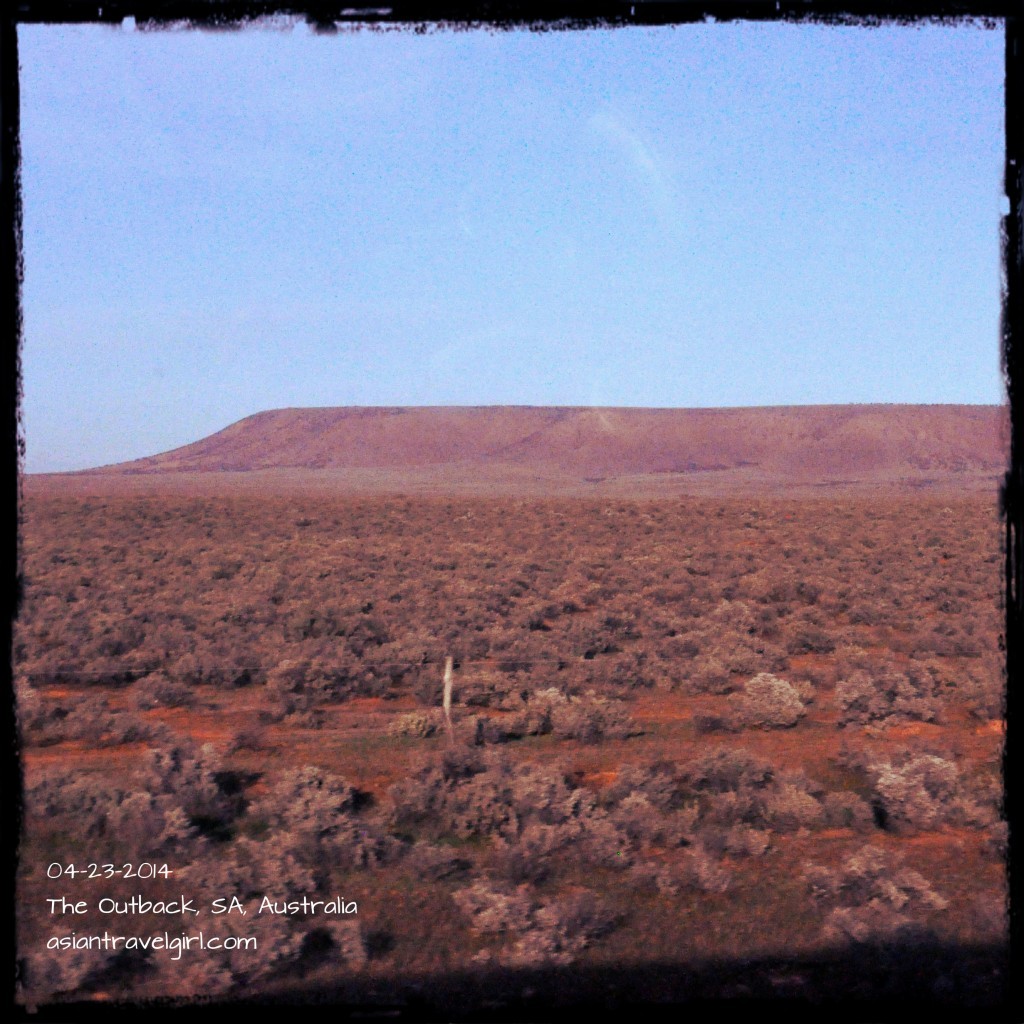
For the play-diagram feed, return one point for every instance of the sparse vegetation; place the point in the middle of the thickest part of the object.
(873, 898)
(662, 711)
(865, 698)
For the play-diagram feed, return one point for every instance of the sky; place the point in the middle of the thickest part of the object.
(217, 224)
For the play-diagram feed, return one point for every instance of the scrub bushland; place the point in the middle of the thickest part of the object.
(730, 727)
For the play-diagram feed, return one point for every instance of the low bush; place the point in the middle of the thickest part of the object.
(527, 813)
(252, 737)
(848, 810)
(653, 878)
(865, 698)
(319, 814)
(434, 863)
(159, 690)
(641, 821)
(746, 841)
(983, 690)
(703, 871)
(589, 718)
(709, 674)
(767, 702)
(789, 807)
(251, 870)
(708, 722)
(872, 897)
(661, 783)
(807, 638)
(738, 789)
(724, 771)
(923, 792)
(496, 910)
(544, 932)
(39, 720)
(418, 724)
(114, 823)
(197, 781)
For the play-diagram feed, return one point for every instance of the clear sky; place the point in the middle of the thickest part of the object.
(710, 215)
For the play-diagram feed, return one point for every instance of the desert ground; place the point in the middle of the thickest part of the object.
(711, 737)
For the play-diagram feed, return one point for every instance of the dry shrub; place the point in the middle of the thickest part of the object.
(808, 638)
(705, 722)
(114, 823)
(433, 863)
(251, 870)
(662, 783)
(41, 722)
(640, 820)
(710, 674)
(983, 690)
(589, 718)
(723, 771)
(701, 870)
(767, 702)
(738, 789)
(198, 782)
(865, 698)
(746, 841)
(528, 812)
(251, 737)
(318, 814)
(544, 932)
(496, 911)
(158, 690)
(848, 810)
(653, 878)
(789, 807)
(872, 897)
(923, 792)
(87, 718)
(418, 724)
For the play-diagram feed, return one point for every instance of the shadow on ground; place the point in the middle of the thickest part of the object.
(871, 983)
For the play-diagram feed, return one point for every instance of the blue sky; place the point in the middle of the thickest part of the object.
(709, 215)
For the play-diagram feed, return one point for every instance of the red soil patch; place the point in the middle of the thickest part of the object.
(79, 754)
(810, 663)
(598, 780)
(946, 837)
(665, 707)
(993, 727)
(376, 705)
(929, 729)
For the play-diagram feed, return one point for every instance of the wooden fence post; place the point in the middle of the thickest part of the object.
(446, 701)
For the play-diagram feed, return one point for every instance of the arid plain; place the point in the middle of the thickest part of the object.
(726, 709)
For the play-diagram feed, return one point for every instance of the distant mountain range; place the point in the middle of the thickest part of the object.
(579, 448)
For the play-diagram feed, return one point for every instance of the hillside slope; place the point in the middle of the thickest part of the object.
(797, 442)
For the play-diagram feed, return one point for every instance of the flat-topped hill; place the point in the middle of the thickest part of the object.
(566, 447)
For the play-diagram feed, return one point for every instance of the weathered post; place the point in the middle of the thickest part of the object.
(446, 700)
